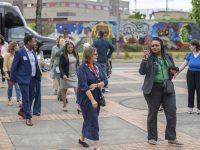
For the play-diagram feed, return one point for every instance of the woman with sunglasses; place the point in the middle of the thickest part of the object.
(91, 78)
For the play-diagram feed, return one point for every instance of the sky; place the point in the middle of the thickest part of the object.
(150, 4)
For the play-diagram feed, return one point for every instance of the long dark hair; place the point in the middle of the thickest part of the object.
(66, 51)
(2, 39)
(58, 40)
(161, 45)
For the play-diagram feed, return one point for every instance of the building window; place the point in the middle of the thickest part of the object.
(82, 5)
(66, 14)
(29, 5)
(90, 6)
(72, 4)
(105, 8)
(60, 4)
(98, 7)
(52, 4)
(44, 4)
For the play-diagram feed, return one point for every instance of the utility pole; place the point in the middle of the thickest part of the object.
(166, 5)
(135, 5)
(118, 24)
(38, 23)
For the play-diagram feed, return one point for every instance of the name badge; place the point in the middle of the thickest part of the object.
(25, 58)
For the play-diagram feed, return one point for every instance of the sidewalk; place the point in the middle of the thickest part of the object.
(122, 121)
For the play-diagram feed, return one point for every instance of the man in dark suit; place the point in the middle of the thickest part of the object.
(25, 71)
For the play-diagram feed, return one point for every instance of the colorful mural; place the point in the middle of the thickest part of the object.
(87, 32)
(174, 34)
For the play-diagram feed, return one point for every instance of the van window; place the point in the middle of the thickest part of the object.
(12, 18)
(17, 33)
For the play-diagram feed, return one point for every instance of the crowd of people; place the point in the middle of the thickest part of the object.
(21, 67)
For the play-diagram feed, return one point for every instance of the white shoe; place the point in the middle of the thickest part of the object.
(198, 111)
(107, 90)
(152, 142)
(190, 110)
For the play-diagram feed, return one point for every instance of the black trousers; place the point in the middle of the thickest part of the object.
(1, 68)
(156, 98)
(193, 84)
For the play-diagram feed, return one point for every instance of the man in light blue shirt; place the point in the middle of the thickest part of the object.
(25, 71)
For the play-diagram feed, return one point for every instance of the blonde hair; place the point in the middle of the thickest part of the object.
(12, 47)
(88, 53)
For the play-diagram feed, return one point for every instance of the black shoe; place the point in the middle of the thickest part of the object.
(59, 99)
(66, 100)
(84, 144)
(36, 114)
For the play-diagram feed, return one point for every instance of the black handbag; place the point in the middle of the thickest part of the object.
(102, 101)
(168, 86)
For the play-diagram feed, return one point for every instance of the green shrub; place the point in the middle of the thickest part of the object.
(131, 47)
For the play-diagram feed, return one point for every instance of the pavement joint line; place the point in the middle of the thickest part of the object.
(5, 142)
(179, 90)
(10, 119)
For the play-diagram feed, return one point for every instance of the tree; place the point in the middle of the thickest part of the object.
(38, 23)
(196, 11)
(137, 15)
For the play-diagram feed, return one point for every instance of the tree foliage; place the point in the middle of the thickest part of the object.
(196, 11)
(137, 15)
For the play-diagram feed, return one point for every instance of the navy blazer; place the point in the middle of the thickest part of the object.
(21, 71)
(85, 79)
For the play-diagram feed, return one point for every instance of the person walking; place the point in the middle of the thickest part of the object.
(104, 51)
(37, 93)
(56, 53)
(69, 62)
(24, 71)
(91, 78)
(192, 60)
(8, 59)
(156, 68)
(3, 50)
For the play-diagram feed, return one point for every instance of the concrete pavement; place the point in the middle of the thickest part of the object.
(122, 121)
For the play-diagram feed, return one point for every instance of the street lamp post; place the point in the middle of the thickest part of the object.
(135, 5)
(118, 24)
(166, 5)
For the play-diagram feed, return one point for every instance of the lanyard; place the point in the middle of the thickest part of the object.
(94, 70)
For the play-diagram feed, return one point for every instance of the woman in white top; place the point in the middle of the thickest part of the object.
(3, 50)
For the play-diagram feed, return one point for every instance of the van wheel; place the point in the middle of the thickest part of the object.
(47, 59)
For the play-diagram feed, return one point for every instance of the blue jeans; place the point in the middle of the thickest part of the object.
(17, 90)
(37, 102)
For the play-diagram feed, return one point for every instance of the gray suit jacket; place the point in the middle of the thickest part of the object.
(148, 68)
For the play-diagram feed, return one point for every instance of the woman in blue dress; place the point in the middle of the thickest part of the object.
(91, 79)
